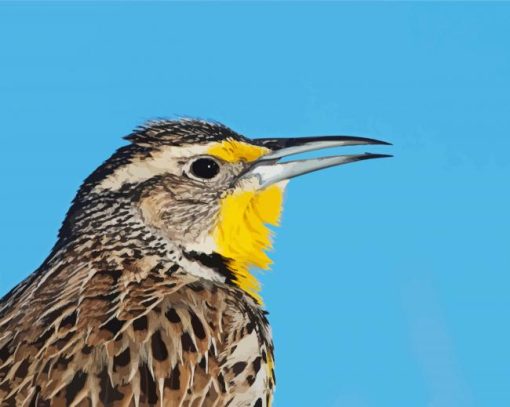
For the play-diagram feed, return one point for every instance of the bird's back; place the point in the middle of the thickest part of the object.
(150, 334)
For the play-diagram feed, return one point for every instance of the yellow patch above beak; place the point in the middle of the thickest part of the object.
(242, 234)
(234, 151)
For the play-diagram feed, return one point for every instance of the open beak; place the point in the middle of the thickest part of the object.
(268, 169)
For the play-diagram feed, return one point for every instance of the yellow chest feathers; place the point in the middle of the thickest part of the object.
(242, 233)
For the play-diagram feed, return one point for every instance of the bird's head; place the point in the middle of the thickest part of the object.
(209, 190)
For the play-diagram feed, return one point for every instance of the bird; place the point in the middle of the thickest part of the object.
(148, 297)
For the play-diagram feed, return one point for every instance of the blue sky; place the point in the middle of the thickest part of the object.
(391, 278)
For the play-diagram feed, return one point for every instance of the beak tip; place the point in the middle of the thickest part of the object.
(372, 155)
(380, 142)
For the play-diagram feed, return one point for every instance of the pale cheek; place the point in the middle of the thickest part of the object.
(179, 223)
(149, 208)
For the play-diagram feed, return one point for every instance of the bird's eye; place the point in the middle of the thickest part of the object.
(205, 168)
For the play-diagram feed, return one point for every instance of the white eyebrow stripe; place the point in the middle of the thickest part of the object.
(141, 169)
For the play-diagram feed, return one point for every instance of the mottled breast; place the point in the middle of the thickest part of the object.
(178, 341)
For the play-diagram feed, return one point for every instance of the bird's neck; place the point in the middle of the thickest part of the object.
(112, 227)
(109, 230)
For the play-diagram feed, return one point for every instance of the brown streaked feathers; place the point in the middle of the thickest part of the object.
(113, 318)
(131, 332)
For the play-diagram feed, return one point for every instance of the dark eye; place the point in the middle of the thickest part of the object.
(205, 168)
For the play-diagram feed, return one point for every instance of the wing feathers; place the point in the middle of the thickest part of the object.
(163, 340)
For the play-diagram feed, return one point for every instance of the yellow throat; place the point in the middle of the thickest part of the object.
(242, 233)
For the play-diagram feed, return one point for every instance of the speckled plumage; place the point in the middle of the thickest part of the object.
(147, 297)
(113, 318)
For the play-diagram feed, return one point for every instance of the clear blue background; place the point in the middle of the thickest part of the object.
(391, 278)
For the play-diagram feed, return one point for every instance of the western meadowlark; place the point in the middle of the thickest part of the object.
(147, 297)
